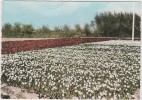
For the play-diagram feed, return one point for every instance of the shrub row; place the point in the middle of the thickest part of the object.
(17, 46)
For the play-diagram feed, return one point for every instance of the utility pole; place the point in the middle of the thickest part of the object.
(133, 24)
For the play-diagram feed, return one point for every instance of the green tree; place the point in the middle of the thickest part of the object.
(17, 29)
(115, 24)
(45, 29)
(66, 31)
(86, 30)
(7, 30)
(27, 30)
(56, 28)
(78, 31)
(78, 28)
(66, 28)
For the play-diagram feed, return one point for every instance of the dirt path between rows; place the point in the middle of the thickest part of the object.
(22, 39)
(16, 93)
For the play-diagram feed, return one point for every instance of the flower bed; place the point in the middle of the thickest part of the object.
(17, 46)
(82, 71)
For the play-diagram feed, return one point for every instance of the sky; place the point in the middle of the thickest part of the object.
(59, 13)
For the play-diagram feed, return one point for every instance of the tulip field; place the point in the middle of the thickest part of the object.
(100, 70)
(17, 45)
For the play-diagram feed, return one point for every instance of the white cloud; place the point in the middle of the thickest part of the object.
(61, 8)
(121, 7)
(52, 9)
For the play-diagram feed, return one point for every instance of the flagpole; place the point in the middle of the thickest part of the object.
(133, 24)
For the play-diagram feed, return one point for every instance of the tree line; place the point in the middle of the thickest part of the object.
(105, 24)
(116, 24)
(19, 30)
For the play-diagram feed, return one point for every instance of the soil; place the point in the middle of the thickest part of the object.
(16, 93)
(21, 39)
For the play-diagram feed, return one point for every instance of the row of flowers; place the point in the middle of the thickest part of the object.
(17, 46)
(84, 71)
